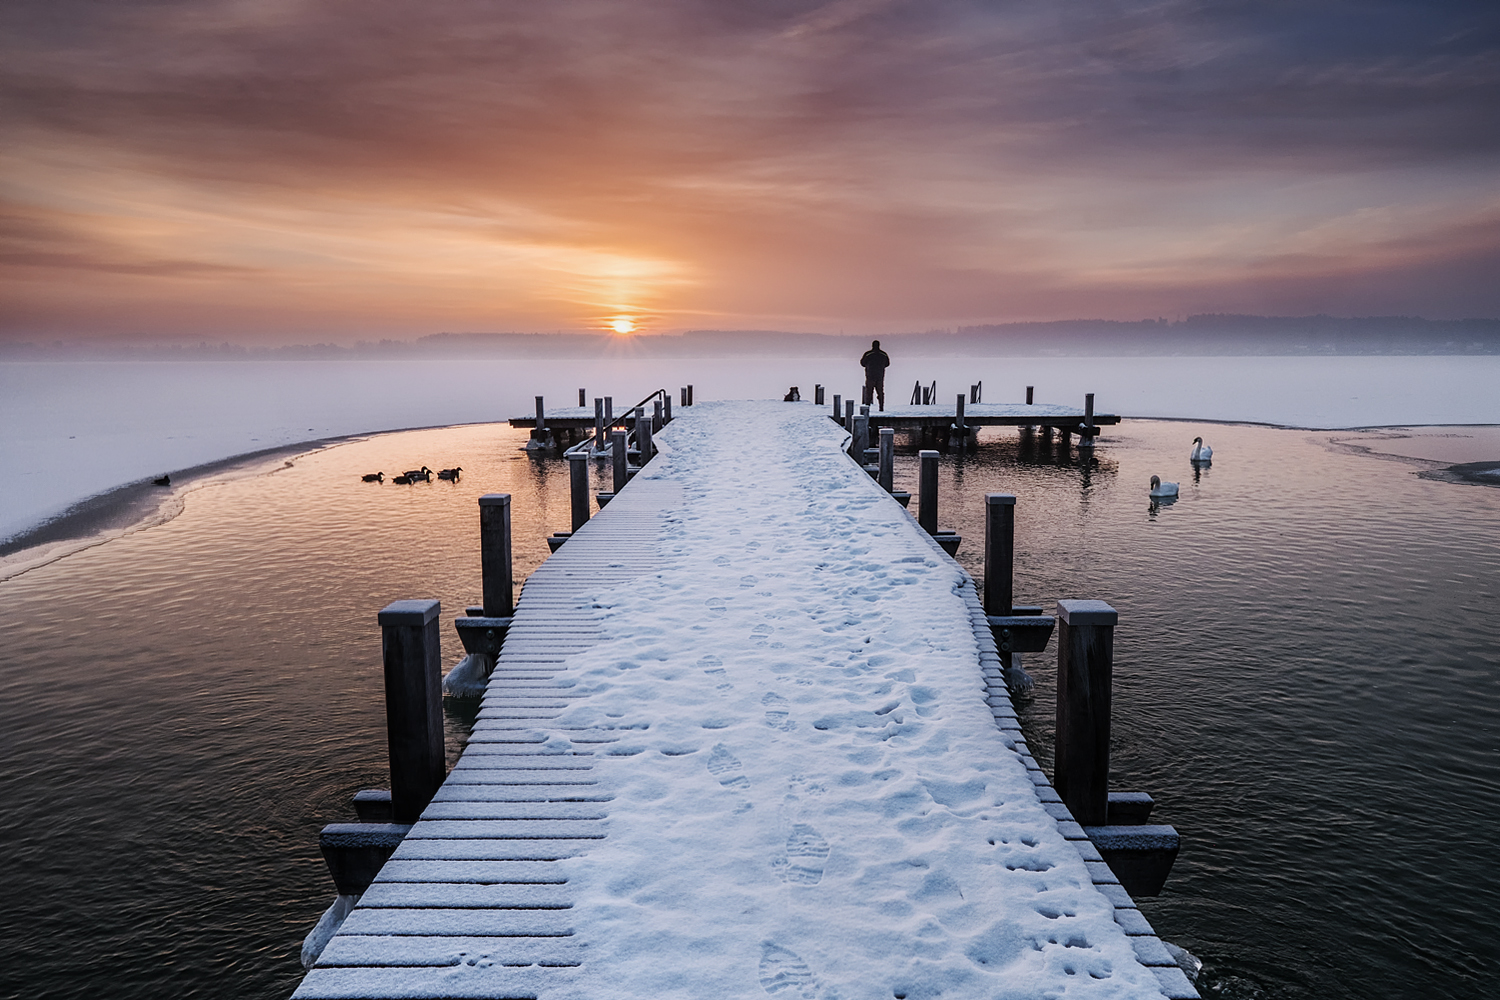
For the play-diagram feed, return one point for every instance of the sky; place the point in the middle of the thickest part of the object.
(283, 171)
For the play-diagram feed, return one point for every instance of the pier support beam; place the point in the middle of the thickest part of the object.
(621, 460)
(578, 487)
(1088, 430)
(927, 507)
(494, 555)
(643, 426)
(817, 395)
(999, 552)
(1085, 663)
(887, 476)
(598, 424)
(413, 705)
(838, 406)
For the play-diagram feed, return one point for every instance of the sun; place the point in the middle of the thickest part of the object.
(623, 325)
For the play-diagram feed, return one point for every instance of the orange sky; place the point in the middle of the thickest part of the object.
(289, 170)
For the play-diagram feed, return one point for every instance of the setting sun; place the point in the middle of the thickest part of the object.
(623, 325)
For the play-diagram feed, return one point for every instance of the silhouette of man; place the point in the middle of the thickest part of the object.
(875, 362)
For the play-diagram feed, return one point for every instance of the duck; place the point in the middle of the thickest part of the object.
(1160, 489)
(162, 481)
(451, 474)
(402, 480)
(1201, 452)
(412, 475)
(374, 477)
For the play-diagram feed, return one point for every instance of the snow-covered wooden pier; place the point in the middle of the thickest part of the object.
(748, 734)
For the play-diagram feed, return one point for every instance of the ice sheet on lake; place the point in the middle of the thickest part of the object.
(811, 798)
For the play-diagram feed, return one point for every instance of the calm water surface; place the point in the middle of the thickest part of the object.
(1306, 680)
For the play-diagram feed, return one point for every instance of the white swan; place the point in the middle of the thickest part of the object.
(1160, 489)
(1201, 452)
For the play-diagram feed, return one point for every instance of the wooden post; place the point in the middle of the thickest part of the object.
(838, 406)
(927, 513)
(1085, 662)
(598, 423)
(622, 472)
(541, 420)
(1029, 390)
(642, 438)
(849, 415)
(494, 555)
(578, 481)
(413, 704)
(683, 392)
(999, 552)
(656, 417)
(817, 395)
(666, 408)
(690, 394)
(963, 432)
(1088, 410)
(609, 412)
(888, 459)
(583, 398)
(861, 441)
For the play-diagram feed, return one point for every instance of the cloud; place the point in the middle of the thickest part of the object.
(797, 162)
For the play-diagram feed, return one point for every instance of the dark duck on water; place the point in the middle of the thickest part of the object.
(412, 475)
(374, 477)
(451, 474)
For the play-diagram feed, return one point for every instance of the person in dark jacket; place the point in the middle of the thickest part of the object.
(875, 362)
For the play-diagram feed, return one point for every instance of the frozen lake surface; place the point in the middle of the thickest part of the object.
(73, 430)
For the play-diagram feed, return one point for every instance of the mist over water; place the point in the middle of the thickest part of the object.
(76, 429)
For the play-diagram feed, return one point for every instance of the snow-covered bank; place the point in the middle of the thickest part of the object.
(810, 796)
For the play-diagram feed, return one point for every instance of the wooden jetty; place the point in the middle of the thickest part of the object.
(690, 681)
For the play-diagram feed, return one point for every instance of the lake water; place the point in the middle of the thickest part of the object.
(1307, 680)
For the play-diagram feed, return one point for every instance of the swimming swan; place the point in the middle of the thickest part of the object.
(1201, 452)
(1161, 489)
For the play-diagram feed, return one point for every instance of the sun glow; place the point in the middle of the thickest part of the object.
(623, 325)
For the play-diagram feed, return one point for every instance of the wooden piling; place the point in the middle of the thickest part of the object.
(578, 482)
(598, 423)
(683, 395)
(494, 555)
(849, 415)
(1029, 390)
(999, 552)
(1085, 663)
(690, 394)
(927, 512)
(609, 411)
(621, 467)
(666, 408)
(642, 438)
(541, 419)
(838, 406)
(960, 430)
(656, 418)
(583, 398)
(817, 395)
(887, 475)
(861, 440)
(413, 704)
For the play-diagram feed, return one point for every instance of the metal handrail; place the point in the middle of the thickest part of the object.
(617, 419)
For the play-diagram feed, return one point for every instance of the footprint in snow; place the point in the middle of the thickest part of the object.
(721, 560)
(806, 854)
(724, 765)
(784, 974)
(777, 713)
(716, 605)
(714, 667)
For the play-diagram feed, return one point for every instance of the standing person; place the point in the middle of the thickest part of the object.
(875, 362)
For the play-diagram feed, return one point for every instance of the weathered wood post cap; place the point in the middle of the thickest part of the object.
(927, 453)
(410, 612)
(495, 500)
(1003, 499)
(1087, 613)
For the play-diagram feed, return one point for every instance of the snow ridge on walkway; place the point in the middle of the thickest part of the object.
(810, 798)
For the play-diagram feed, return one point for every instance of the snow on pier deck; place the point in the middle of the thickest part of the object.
(747, 737)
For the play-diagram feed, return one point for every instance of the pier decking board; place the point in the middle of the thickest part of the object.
(472, 904)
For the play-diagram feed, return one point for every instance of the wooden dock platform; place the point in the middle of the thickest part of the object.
(747, 735)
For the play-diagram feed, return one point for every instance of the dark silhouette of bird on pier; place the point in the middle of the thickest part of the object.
(162, 481)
